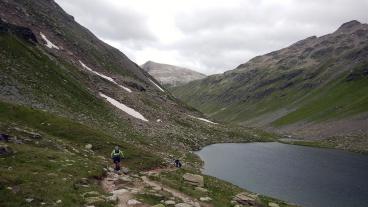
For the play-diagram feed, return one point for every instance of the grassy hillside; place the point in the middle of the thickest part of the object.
(53, 80)
(56, 165)
(340, 98)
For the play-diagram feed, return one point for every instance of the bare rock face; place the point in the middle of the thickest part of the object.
(171, 75)
(348, 26)
(194, 179)
(22, 32)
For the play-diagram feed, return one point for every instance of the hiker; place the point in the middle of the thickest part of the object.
(116, 156)
(177, 163)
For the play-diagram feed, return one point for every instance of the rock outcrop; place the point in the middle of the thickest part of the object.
(194, 179)
(245, 199)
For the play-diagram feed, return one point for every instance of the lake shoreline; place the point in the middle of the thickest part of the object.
(322, 152)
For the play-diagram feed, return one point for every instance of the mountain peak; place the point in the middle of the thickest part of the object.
(349, 25)
(149, 62)
(171, 75)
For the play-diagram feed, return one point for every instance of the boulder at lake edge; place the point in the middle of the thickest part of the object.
(194, 179)
(245, 198)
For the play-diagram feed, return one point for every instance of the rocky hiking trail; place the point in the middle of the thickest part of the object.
(126, 187)
(144, 190)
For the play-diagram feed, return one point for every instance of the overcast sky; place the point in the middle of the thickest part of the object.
(210, 36)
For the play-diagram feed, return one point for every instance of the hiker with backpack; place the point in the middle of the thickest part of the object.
(177, 163)
(116, 156)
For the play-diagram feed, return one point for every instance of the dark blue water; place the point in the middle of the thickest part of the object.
(306, 176)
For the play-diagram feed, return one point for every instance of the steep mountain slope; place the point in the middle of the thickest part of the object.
(55, 65)
(171, 75)
(67, 98)
(316, 87)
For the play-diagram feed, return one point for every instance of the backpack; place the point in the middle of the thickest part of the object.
(116, 153)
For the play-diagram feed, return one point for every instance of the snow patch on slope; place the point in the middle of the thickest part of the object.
(123, 107)
(157, 85)
(49, 44)
(104, 77)
(202, 119)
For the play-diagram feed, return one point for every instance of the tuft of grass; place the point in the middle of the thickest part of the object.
(46, 175)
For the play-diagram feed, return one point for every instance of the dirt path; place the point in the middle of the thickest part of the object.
(125, 187)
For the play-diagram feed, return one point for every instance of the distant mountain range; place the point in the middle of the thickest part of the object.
(171, 75)
(317, 87)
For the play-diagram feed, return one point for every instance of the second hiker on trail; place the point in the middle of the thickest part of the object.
(177, 163)
(116, 156)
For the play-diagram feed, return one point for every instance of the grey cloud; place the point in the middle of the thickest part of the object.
(215, 39)
(109, 22)
(246, 31)
(217, 18)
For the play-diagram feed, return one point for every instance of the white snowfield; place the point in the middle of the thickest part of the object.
(104, 77)
(123, 107)
(202, 119)
(157, 85)
(49, 44)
